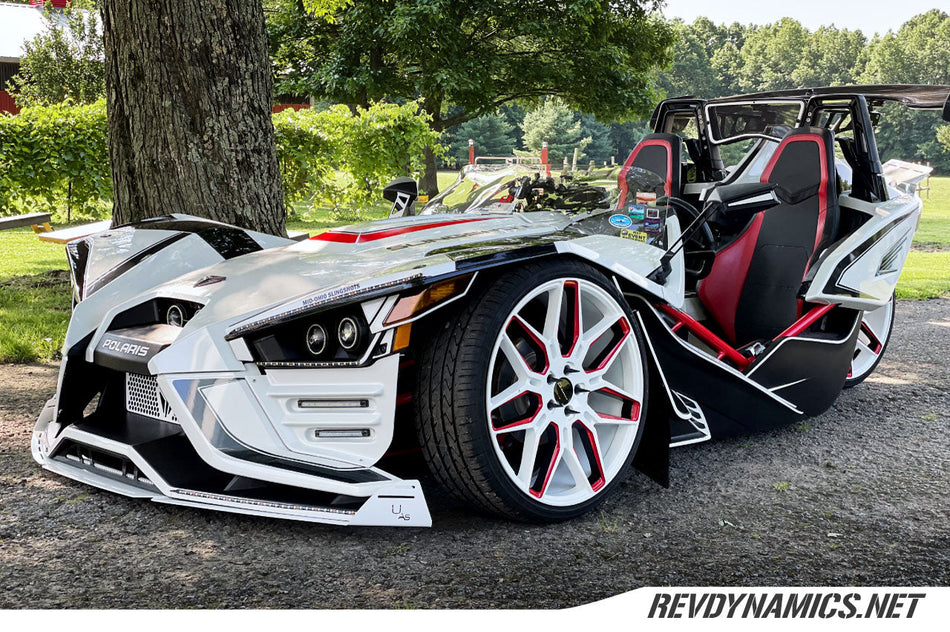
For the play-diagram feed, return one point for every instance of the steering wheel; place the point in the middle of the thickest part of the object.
(699, 250)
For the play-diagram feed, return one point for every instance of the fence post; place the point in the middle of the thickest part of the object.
(544, 158)
(471, 151)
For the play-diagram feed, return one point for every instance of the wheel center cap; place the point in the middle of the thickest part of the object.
(563, 391)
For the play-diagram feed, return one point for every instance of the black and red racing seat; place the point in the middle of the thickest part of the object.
(752, 291)
(659, 154)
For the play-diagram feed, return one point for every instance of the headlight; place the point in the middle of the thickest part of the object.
(348, 333)
(316, 339)
(328, 337)
(175, 316)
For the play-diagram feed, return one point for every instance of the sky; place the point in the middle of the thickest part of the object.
(869, 16)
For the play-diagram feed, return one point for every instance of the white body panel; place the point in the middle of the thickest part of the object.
(862, 270)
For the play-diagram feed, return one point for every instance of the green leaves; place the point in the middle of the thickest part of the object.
(56, 155)
(342, 159)
(64, 63)
(597, 55)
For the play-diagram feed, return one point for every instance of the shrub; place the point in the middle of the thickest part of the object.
(56, 157)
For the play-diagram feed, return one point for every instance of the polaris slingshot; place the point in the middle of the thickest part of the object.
(533, 337)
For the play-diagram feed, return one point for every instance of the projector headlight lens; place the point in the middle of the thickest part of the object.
(175, 316)
(316, 339)
(348, 333)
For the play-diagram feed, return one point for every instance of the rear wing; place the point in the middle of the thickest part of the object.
(913, 96)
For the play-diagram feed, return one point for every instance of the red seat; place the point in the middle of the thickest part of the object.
(658, 153)
(752, 291)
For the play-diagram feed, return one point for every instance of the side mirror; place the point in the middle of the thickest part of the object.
(736, 204)
(752, 197)
(402, 192)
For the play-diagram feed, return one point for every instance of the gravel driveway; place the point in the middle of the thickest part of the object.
(858, 496)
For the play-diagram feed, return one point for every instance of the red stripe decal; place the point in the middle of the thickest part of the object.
(344, 237)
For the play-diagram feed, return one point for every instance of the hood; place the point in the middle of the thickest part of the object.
(344, 259)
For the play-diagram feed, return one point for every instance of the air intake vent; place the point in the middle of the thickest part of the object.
(143, 397)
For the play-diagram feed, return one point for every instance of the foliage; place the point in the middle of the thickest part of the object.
(770, 55)
(600, 148)
(491, 133)
(917, 53)
(692, 72)
(473, 56)
(338, 158)
(56, 156)
(64, 63)
(558, 126)
(943, 136)
(51, 154)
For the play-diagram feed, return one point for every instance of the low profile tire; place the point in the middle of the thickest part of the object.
(530, 401)
(876, 327)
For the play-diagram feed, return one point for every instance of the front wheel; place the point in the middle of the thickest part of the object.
(530, 401)
(876, 327)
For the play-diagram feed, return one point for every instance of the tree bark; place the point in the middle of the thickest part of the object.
(189, 93)
(429, 182)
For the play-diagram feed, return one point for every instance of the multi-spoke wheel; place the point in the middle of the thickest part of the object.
(531, 402)
(875, 333)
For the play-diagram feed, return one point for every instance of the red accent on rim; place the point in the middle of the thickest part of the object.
(625, 329)
(601, 480)
(519, 422)
(806, 321)
(719, 345)
(634, 405)
(344, 237)
(876, 345)
(577, 314)
(515, 320)
(547, 477)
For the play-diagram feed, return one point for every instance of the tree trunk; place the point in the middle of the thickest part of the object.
(189, 93)
(429, 182)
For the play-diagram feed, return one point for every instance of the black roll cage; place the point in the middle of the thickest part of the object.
(861, 153)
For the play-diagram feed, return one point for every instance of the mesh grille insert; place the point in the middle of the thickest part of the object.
(143, 397)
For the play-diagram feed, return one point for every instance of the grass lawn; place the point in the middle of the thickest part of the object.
(935, 222)
(35, 294)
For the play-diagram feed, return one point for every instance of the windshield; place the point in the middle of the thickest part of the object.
(514, 188)
(734, 121)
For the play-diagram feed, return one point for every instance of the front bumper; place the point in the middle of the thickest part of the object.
(191, 459)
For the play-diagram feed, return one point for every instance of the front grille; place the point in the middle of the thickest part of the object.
(143, 397)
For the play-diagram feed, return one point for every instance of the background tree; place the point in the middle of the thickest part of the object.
(189, 108)
(558, 126)
(600, 148)
(491, 133)
(477, 55)
(64, 62)
(916, 53)
(691, 72)
(770, 54)
(830, 57)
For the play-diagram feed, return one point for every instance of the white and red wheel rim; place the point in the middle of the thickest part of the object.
(875, 327)
(565, 388)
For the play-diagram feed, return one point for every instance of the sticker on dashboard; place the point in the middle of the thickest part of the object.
(620, 221)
